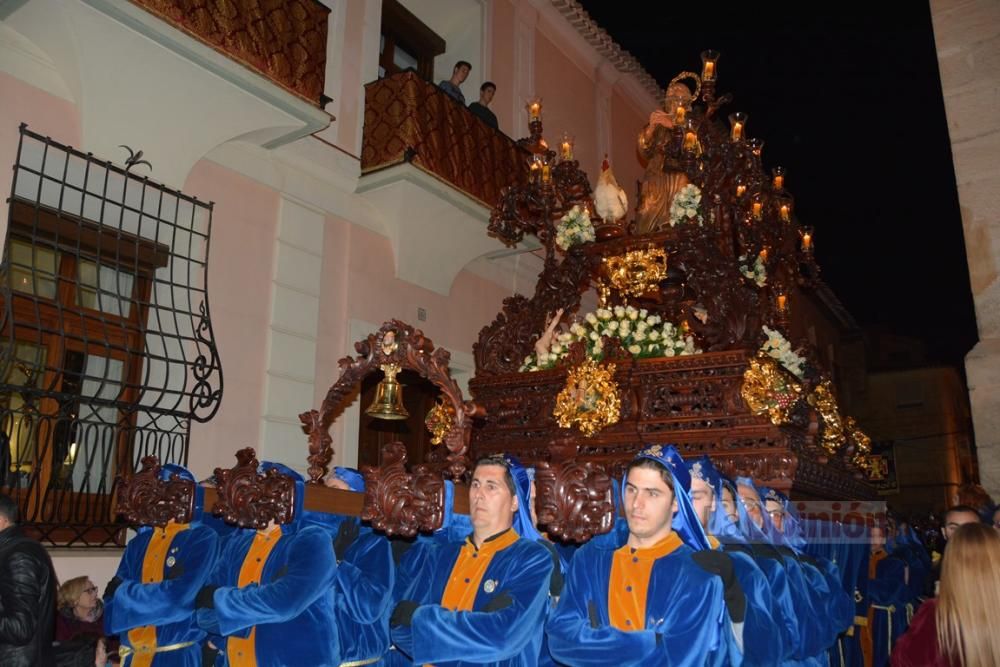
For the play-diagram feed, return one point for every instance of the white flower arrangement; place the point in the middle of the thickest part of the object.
(756, 272)
(778, 348)
(574, 227)
(642, 334)
(686, 206)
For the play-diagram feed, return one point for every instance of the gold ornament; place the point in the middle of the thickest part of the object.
(439, 421)
(634, 273)
(767, 388)
(823, 399)
(590, 399)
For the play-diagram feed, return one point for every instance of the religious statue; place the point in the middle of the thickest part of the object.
(662, 180)
(544, 342)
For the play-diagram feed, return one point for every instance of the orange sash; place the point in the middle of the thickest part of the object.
(243, 652)
(143, 638)
(629, 582)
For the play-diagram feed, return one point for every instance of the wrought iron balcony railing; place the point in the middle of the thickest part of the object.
(410, 120)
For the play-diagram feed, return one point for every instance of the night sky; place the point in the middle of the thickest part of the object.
(848, 99)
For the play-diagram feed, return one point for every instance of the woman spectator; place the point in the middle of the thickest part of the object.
(954, 629)
(80, 622)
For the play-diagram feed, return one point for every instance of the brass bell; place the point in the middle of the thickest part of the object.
(388, 403)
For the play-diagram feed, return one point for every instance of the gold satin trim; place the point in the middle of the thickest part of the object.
(143, 638)
(243, 652)
(359, 663)
(125, 651)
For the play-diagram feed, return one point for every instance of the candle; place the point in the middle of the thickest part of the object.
(779, 178)
(807, 240)
(758, 210)
(534, 107)
(786, 212)
(737, 131)
(546, 173)
(740, 189)
(536, 166)
(679, 113)
(566, 146)
(708, 73)
(737, 124)
(763, 254)
(708, 60)
(690, 141)
(782, 303)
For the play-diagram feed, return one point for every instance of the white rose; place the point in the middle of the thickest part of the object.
(639, 336)
(594, 336)
(591, 318)
(613, 325)
(619, 312)
(669, 352)
(635, 349)
(654, 334)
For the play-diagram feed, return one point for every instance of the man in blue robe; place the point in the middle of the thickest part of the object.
(149, 603)
(270, 600)
(481, 600)
(887, 596)
(364, 581)
(762, 643)
(640, 598)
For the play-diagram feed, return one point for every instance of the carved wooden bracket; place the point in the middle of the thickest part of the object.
(146, 500)
(574, 500)
(402, 503)
(394, 343)
(250, 499)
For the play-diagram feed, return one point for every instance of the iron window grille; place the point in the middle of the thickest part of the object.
(107, 345)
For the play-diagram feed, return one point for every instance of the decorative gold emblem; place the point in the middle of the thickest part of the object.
(590, 399)
(823, 399)
(439, 421)
(767, 388)
(490, 585)
(635, 273)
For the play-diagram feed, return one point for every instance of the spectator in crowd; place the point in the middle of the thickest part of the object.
(481, 108)
(458, 76)
(27, 594)
(80, 623)
(996, 518)
(959, 515)
(956, 628)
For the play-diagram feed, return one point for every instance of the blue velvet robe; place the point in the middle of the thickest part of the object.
(168, 605)
(684, 604)
(362, 591)
(510, 637)
(292, 608)
(887, 589)
(763, 644)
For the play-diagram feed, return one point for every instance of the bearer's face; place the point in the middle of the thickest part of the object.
(752, 503)
(777, 514)
(649, 504)
(703, 500)
(953, 520)
(729, 505)
(491, 504)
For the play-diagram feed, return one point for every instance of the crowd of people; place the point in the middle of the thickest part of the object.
(697, 569)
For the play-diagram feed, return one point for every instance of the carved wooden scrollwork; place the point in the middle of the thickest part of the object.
(402, 503)
(146, 500)
(574, 500)
(250, 499)
(394, 343)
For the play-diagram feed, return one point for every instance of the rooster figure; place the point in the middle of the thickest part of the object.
(609, 198)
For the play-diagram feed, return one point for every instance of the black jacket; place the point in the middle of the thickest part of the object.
(27, 601)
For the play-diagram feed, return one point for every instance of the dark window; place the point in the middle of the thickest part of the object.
(406, 43)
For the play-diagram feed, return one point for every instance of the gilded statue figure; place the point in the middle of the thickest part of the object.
(662, 180)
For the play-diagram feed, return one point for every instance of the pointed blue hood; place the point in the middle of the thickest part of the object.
(685, 521)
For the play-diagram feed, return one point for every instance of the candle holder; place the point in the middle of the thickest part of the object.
(737, 126)
(709, 65)
(785, 205)
(757, 208)
(778, 178)
(756, 147)
(566, 147)
(807, 239)
(534, 108)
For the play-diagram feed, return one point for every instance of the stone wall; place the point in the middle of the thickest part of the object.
(967, 34)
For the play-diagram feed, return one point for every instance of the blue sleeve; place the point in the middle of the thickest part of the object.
(311, 570)
(441, 635)
(761, 644)
(365, 579)
(136, 604)
(573, 641)
(888, 587)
